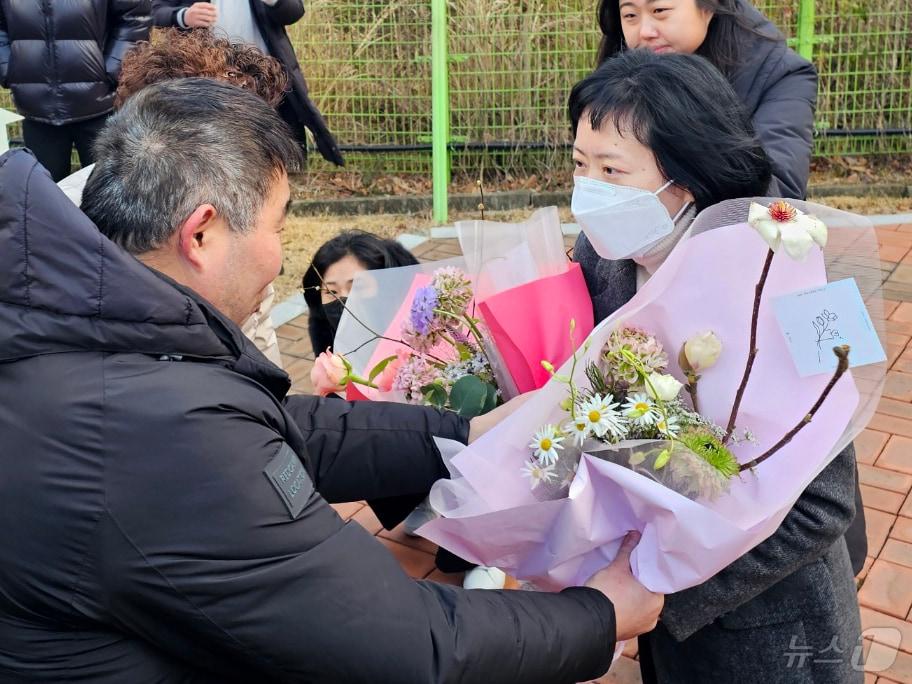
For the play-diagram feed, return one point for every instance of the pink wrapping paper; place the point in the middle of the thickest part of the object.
(707, 283)
(531, 322)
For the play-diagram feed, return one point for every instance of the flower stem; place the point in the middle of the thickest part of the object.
(572, 384)
(476, 333)
(758, 293)
(358, 380)
(842, 353)
(691, 388)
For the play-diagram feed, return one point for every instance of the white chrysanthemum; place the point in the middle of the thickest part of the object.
(578, 429)
(537, 473)
(546, 443)
(669, 427)
(640, 410)
(602, 417)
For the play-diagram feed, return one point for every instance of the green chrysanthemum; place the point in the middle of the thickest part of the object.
(710, 448)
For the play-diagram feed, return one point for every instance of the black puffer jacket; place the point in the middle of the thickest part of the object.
(159, 496)
(61, 58)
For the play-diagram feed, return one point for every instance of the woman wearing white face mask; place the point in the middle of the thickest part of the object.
(776, 86)
(659, 138)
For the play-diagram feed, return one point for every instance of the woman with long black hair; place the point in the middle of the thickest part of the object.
(777, 87)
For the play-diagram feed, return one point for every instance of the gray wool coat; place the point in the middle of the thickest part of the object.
(785, 612)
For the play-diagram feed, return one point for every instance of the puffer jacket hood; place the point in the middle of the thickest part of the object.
(64, 287)
(61, 59)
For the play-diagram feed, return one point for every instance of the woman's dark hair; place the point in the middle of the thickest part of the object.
(683, 109)
(373, 252)
(724, 37)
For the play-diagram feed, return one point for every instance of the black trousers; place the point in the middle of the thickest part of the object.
(53, 145)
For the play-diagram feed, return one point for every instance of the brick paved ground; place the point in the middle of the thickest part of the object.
(884, 457)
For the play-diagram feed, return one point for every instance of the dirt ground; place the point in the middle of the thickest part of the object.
(304, 234)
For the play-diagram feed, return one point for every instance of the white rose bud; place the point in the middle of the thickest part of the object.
(702, 350)
(663, 387)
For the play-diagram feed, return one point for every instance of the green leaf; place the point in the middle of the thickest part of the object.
(662, 459)
(491, 399)
(468, 396)
(435, 394)
(380, 367)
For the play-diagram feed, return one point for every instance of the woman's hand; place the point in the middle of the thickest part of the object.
(481, 424)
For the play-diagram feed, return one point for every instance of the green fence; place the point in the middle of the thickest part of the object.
(511, 64)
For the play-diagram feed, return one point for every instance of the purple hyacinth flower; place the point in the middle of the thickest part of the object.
(422, 313)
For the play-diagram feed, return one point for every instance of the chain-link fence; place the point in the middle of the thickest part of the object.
(512, 63)
(511, 66)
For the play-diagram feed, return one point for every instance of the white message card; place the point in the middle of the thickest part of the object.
(820, 318)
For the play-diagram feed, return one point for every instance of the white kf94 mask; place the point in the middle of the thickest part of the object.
(620, 222)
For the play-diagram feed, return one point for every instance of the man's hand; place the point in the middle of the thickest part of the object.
(200, 15)
(481, 424)
(636, 609)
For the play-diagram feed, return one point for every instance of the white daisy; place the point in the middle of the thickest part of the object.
(602, 417)
(537, 473)
(669, 428)
(579, 429)
(640, 409)
(546, 443)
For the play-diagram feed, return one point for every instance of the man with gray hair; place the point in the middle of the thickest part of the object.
(164, 504)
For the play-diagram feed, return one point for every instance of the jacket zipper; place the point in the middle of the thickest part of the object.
(52, 54)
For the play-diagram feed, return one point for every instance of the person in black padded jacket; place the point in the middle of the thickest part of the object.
(164, 505)
(61, 60)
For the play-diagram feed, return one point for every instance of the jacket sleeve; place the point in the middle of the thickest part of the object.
(284, 12)
(203, 558)
(784, 123)
(130, 22)
(817, 520)
(165, 13)
(371, 450)
(4, 50)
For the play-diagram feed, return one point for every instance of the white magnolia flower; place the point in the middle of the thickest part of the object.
(781, 223)
(663, 387)
(537, 473)
(669, 427)
(640, 410)
(601, 417)
(546, 443)
(702, 350)
(578, 429)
